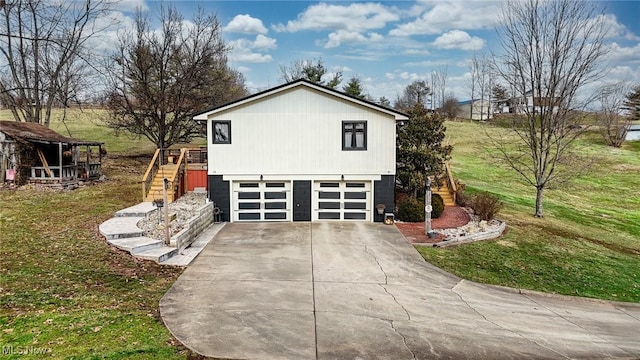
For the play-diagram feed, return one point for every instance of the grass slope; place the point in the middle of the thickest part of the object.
(63, 290)
(588, 244)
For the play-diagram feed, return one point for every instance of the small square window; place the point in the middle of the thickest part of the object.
(354, 135)
(222, 132)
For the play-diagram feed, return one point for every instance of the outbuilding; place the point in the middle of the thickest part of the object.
(33, 153)
(301, 152)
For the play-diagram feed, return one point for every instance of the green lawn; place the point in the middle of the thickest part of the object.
(63, 290)
(588, 244)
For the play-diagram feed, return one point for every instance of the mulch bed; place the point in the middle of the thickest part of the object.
(452, 217)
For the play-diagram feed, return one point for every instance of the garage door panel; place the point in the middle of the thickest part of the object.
(249, 206)
(355, 206)
(329, 195)
(261, 201)
(341, 200)
(249, 195)
(270, 195)
(281, 205)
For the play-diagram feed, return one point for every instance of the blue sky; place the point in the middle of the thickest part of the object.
(386, 44)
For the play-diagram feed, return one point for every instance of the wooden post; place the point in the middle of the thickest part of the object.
(167, 238)
(60, 160)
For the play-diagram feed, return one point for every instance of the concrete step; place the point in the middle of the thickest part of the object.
(136, 244)
(139, 210)
(158, 254)
(121, 227)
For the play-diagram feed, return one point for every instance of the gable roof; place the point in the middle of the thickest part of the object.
(297, 83)
(33, 132)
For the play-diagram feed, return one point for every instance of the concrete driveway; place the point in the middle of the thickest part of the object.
(361, 291)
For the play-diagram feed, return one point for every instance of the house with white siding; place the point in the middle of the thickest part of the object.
(301, 152)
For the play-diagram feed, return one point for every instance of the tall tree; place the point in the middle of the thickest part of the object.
(611, 122)
(420, 150)
(632, 104)
(500, 96)
(44, 47)
(450, 108)
(550, 50)
(160, 78)
(355, 88)
(384, 102)
(312, 70)
(439, 87)
(415, 93)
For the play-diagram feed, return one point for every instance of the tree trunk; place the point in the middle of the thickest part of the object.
(539, 199)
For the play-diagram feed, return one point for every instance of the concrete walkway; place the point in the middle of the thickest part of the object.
(361, 291)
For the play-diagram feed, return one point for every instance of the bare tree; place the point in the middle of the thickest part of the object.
(160, 78)
(450, 107)
(439, 87)
(43, 45)
(550, 49)
(612, 123)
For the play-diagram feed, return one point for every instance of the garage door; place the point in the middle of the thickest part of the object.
(262, 201)
(341, 200)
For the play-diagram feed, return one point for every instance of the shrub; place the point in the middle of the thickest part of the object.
(437, 203)
(411, 210)
(464, 200)
(486, 205)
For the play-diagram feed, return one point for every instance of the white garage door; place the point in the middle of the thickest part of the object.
(341, 200)
(262, 201)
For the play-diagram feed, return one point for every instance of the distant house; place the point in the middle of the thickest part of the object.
(529, 103)
(301, 152)
(476, 109)
(33, 153)
(633, 133)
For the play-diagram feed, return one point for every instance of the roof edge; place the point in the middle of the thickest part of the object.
(396, 114)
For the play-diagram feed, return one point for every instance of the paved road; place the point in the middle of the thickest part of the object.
(360, 291)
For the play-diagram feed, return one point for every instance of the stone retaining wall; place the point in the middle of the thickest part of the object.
(193, 227)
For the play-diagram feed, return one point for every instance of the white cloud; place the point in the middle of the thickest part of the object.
(442, 16)
(416, 52)
(263, 42)
(357, 17)
(456, 39)
(130, 5)
(338, 68)
(242, 50)
(250, 57)
(618, 53)
(245, 24)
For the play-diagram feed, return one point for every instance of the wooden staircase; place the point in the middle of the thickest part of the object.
(445, 192)
(155, 190)
(165, 168)
(447, 189)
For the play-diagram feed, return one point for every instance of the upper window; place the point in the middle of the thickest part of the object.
(222, 132)
(354, 135)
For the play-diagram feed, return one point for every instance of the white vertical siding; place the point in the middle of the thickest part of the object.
(299, 131)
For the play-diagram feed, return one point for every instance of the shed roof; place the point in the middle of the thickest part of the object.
(306, 83)
(33, 132)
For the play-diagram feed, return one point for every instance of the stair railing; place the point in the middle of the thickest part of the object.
(150, 174)
(453, 189)
(180, 167)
